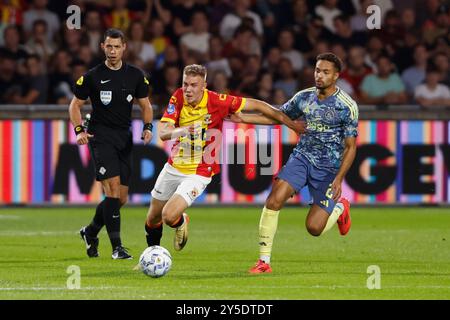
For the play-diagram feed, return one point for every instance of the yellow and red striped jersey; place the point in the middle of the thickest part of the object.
(198, 153)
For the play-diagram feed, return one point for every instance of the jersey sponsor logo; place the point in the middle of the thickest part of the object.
(171, 109)
(105, 81)
(105, 97)
(146, 81)
(207, 118)
(80, 81)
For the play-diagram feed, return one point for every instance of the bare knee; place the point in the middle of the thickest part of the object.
(169, 217)
(314, 229)
(273, 203)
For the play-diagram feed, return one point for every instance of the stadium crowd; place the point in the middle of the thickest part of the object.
(264, 49)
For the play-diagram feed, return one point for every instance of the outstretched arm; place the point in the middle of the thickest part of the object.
(269, 112)
(252, 118)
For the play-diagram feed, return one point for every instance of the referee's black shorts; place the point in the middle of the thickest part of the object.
(111, 151)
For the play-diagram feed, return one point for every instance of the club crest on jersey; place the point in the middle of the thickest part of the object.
(171, 109)
(105, 97)
(207, 118)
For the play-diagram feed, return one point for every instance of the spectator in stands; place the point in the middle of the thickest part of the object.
(138, 47)
(89, 59)
(35, 88)
(339, 50)
(328, 11)
(196, 41)
(286, 45)
(120, 16)
(93, 30)
(320, 46)
(63, 92)
(344, 34)
(265, 88)
(358, 21)
(171, 82)
(391, 34)
(441, 62)
(39, 44)
(10, 81)
(219, 82)
(432, 94)
(250, 75)
(438, 27)
(279, 97)
(271, 13)
(385, 87)
(286, 80)
(37, 12)
(356, 70)
(234, 19)
(182, 12)
(243, 44)
(216, 60)
(375, 48)
(60, 75)
(71, 41)
(11, 36)
(300, 16)
(11, 13)
(415, 74)
(306, 41)
(409, 23)
(272, 59)
(159, 40)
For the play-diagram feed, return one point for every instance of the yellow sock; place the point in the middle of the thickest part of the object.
(267, 229)
(334, 216)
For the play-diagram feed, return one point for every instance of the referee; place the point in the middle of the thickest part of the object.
(112, 86)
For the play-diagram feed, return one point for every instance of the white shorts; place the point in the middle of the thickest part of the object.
(171, 181)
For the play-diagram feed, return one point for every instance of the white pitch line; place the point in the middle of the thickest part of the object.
(12, 233)
(9, 217)
(59, 288)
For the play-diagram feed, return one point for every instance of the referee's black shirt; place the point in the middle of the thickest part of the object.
(112, 93)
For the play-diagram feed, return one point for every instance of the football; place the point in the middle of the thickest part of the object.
(155, 261)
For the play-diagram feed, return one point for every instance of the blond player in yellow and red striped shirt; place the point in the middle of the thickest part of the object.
(193, 119)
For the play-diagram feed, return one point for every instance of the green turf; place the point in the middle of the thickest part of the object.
(411, 247)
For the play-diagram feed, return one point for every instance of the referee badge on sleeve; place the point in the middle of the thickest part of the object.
(105, 97)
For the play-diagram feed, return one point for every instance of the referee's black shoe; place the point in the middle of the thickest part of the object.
(121, 253)
(91, 243)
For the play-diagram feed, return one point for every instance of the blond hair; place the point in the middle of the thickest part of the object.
(195, 70)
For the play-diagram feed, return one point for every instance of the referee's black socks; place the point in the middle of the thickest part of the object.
(111, 215)
(97, 222)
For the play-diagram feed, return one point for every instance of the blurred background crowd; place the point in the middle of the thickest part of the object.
(256, 48)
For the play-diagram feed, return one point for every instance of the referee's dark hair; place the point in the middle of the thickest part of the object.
(114, 34)
(328, 56)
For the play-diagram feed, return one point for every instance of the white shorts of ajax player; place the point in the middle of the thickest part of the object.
(170, 181)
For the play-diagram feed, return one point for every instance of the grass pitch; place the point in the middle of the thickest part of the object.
(411, 246)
